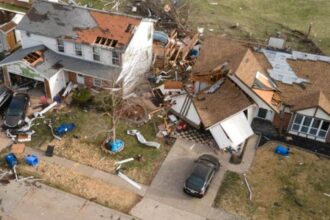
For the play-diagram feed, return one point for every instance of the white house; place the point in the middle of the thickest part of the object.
(225, 111)
(62, 43)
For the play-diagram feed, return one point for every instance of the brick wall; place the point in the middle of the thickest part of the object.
(285, 121)
(88, 81)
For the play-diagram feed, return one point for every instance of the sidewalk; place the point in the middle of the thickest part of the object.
(26, 201)
(88, 171)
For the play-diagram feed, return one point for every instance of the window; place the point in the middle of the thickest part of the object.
(97, 82)
(60, 45)
(311, 126)
(77, 48)
(262, 113)
(116, 57)
(96, 53)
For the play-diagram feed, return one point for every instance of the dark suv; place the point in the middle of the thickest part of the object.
(200, 178)
(15, 114)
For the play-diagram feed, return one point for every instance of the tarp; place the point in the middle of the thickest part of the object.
(237, 128)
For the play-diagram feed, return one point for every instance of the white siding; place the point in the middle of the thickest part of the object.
(56, 83)
(220, 137)
(308, 112)
(35, 40)
(191, 113)
(321, 114)
(23, 70)
(252, 112)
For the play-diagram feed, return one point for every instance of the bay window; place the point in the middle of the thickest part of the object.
(311, 126)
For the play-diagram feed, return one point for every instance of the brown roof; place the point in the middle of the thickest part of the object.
(109, 26)
(218, 50)
(8, 26)
(314, 99)
(248, 68)
(226, 101)
(306, 96)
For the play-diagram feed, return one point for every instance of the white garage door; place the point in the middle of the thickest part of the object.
(237, 128)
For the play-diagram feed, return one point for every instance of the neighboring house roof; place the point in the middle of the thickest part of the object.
(79, 24)
(313, 94)
(216, 51)
(226, 101)
(8, 26)
(53, 62)
(314, 99)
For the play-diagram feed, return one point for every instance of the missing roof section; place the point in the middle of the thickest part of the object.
(105, 42)
(34, 58)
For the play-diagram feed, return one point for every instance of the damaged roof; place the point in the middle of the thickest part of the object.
(53, 62)
(226, 101)
(7, 26)
(216, 51)
(79, 24)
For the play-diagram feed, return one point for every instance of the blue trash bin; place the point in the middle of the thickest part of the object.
(32, 160)
(282, 150)
(11, 160)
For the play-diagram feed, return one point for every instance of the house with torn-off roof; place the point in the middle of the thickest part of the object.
(67, 43)
(290, 88)
(9, 37)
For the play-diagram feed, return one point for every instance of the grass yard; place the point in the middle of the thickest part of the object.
(258, 19)
(83, 144)
(85, 187)
(283, 187)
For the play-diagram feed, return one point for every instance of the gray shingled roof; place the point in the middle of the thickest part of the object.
(53, 62)
(56, 20)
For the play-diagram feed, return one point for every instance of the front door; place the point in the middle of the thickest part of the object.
(80, 79)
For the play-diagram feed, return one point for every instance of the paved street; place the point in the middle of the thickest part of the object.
(22, 201)
(165, 199)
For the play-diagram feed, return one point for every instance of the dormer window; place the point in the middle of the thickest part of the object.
(60, 45)
(78, 50)
(129, 28)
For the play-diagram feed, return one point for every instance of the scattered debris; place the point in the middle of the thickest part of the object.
(142, 140)
(126, 178)
(50, 151)
(124, 161)
(41, 113)
(64, 128)
(281, 150)
(17, 148)
(248, 186)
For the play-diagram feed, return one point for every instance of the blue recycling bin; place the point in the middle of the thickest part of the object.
(64, 128)
(11, 160)
(32, 160)
(282, 150)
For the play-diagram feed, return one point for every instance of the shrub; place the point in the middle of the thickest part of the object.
(82, 97)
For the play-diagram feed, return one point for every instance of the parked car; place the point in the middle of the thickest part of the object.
(5, 96)
(15, 114)
(200, 178)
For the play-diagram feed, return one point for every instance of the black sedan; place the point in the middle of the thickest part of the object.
(15, 114)
(203, 172)
(5, 96)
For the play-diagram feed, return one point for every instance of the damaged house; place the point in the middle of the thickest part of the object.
(288, 88)
(67, 43)
(9, 37)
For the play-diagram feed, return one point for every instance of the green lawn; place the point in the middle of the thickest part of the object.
(261, 18)
(84, 143)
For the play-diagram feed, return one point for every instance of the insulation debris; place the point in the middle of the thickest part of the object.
(142, 140)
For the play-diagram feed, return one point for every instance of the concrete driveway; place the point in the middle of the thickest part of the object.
(165, 198)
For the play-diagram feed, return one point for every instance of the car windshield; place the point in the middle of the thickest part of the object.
(196, 181)
(15, 108)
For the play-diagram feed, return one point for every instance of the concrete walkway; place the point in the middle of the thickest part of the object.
(87, 171)
(24, 201)
(248, 157)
